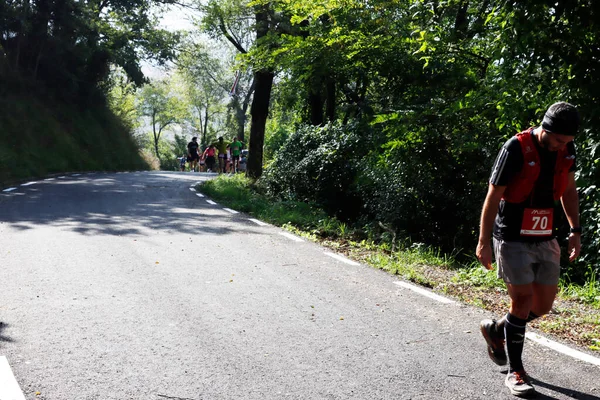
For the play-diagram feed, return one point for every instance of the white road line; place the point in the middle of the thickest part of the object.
(9, 388)
(340, 258)
(424, 292)
(29, 184)
(290, 236)
(257, 222)
(192, 189)
(199, 195)
(49, 179)
(9, 189)
(76, 175)
(211, 202)
(61, 177)
(229, 210)
(561, 348)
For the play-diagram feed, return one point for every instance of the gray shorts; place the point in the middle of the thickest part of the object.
(523, 263)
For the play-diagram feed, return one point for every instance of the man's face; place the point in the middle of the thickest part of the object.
(554, 141)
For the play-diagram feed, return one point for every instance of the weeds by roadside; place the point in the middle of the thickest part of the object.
(575, 317)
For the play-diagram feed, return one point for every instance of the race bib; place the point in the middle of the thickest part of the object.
(537, 222)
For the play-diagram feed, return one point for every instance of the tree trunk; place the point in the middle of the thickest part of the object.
(315, 104)
(331, 100)
(154, 135)
(259, 112)
(205, 124)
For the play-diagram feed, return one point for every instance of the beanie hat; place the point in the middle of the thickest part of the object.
(561, 118)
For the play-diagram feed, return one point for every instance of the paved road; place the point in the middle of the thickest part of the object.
(130, 286)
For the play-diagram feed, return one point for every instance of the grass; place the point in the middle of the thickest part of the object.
(576, 314)
(41, 135)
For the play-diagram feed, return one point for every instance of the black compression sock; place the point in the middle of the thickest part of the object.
(532, 316)
(514, 331)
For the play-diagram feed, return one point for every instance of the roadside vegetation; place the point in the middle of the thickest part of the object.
(40, 135)
(574, 318)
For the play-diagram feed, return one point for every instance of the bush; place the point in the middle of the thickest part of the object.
(320, 165)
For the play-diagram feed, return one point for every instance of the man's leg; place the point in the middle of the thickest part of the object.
(521, 302)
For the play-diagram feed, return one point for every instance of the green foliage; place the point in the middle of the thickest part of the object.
(480, 277)
(319, 164)
(162, 107)
(69, 45)
(40, 136)
(238, 192)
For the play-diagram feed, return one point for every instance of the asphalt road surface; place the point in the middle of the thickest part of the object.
(131, 286)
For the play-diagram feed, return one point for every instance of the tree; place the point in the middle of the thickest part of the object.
(204, 84)
(157, 102)
(70, 45)
(227, 18)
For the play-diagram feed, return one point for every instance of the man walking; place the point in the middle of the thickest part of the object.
(193, 155)
(221, 146)
(236, 149)
(534, 172)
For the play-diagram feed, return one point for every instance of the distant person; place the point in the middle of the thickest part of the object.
(236, 149)
(229, 162)
(244, 160)
(221, 146)
(534, 171)
(182, 163)
(193, 155)
(209, 156)
(202, 160)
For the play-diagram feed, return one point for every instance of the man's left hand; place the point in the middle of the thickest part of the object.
(574, 246)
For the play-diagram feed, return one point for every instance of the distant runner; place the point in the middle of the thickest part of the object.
(221, 146)
(236, 148)
(193, 155)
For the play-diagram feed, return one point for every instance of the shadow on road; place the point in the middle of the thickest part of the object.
(2, 337)
(574, 394)
(122, 205)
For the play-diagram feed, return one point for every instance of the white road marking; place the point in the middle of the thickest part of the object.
(211, 202)
(192, 189)
(9, 388)
(341, 258)
(76, 175)
(424, 292)
(561, 348)
(257, 222)
(61, 177)
(199, 195)
(229, 210)
(29, 184)
(290, 236)
(49, 179)
(10, 189)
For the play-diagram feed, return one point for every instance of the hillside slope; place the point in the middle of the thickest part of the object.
(40, 135)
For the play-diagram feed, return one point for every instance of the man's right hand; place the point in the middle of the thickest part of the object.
(484, 255)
